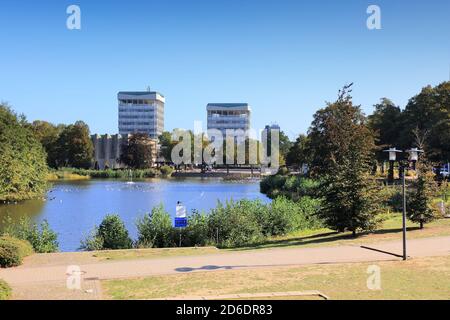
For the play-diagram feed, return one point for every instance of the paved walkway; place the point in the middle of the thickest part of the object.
(24, 276)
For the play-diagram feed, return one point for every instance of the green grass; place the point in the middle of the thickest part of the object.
(5, 290)
(399, 280)
(390, 230)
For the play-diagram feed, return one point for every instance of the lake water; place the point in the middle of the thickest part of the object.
(74, 208)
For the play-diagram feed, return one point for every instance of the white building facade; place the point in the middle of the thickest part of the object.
(141, 112)
(231, 116)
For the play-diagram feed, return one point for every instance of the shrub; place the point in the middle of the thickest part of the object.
(5, 290)
(309, 208)
(42, 238)
(197, 231)
(155, 229)
(284, 216)
(236, 223)
(25, 247)
(292, 187)
(392, 198)
(9, 255)
(93, 242)
(284, 171)
(12, 251)
(113, 233)
(166, 170)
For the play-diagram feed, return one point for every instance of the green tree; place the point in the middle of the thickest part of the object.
(342, 147)
(113, 233)
(48, 135)
(138, 153)
(23, 168)
(283, 147)
(420, 206)
(385, 122)
(75, 147)
(166, 143)
(429, 111)
(298, 154)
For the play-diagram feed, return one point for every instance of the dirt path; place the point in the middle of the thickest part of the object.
(48, 281)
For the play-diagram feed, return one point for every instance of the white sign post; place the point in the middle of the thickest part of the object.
(180, 218)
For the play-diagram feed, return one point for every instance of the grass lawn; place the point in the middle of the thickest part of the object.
(424, 278)
(391, 229)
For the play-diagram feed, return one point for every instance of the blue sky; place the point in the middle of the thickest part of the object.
(285, 58)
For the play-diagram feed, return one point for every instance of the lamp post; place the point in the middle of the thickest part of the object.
(392, 157)
(403, 165)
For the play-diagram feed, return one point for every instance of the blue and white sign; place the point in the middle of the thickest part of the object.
(180, 222)
(180, 216)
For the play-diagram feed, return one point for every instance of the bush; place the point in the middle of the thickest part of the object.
(197, 231)
(166, 170)
(155, 229)
(12, 251)
(291, 187)
(5, 290)
(109, 235)
(9, 255)
(236, 223)
(42, 238)
(93, 242)
(284, 216)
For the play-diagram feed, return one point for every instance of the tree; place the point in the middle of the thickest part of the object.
(385, 123)
(420, 206)
(48, 134)
(137, 153)
(342, 147)
(166, 143)
(23, 170)
(112, 233)
(429, 111)
(74, 146)
(283, 147)
(298, 155)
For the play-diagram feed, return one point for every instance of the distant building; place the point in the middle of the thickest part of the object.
(272, 127)
(223, 116)
(108, 149)
(141, 111)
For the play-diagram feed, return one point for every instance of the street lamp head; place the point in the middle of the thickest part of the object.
(392, 153)
(414, 154)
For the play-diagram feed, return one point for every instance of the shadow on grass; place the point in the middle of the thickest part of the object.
(326, 237)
